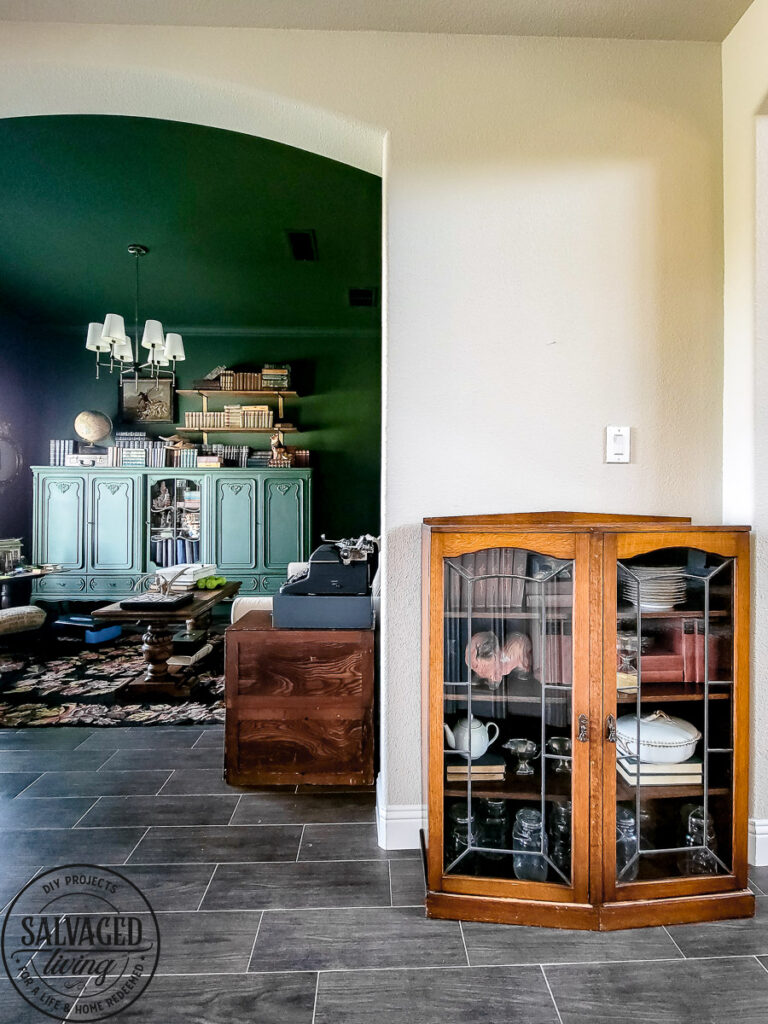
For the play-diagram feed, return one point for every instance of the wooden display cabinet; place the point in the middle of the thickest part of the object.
(558, 627)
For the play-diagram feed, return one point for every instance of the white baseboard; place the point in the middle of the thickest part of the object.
(398, 825)
(757, 850)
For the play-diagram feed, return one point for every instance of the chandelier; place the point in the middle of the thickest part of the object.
(163, 350)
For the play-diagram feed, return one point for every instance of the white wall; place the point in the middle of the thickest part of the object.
(553, 257)
(745, 438)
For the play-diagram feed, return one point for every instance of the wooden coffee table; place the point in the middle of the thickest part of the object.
(157, 646)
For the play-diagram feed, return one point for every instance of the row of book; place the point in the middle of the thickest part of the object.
(256, 418)
(167, 551)
(60, 448)
(249, 416)
(132, 439)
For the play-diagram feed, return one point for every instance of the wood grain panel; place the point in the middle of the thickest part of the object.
(300, 670)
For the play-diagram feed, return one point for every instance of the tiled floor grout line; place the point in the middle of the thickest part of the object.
(301, 840)
(86, 812)
(135, 847)
(202, 898)
(112, 753)
(762, 964)
(30, 784)
(551, 994)
(464, 943)
(234, 809)
(170, 776)
(314, 1005)
(253, 946)
(682, 954)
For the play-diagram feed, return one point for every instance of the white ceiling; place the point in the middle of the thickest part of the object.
(706, 20)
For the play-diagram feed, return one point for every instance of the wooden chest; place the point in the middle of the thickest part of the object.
(299, 704)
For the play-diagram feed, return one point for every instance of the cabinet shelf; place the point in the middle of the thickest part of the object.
(226, 392)
(288, 429)
(661, 693)
(625, 792)
(630, 612)
(512, 613)
(515, 787)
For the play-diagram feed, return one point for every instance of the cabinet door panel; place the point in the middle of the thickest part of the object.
(113, 525)
(672, 665)
(61, 521)
(284, 521)
(510, 674)
(234, 545)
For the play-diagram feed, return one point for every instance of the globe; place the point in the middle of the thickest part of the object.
(92, 426)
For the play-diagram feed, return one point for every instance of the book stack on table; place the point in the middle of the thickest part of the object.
(488, 768)
(682, 773)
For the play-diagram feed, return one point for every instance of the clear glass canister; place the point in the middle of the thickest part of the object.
(493, 827)
(560, 835)
(458, 827)
(627, 861)
(699, 859)
(528, 840)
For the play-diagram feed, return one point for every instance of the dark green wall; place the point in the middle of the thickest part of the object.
(339, 417)
(213, 207)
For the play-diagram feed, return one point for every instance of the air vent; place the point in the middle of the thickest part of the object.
(364, 297)
(303, 245)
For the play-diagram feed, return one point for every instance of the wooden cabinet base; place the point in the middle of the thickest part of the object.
(608, 917)
(299, 705)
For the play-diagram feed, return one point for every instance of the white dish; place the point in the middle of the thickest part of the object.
(663, 738)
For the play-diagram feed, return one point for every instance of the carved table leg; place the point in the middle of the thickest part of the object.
(156, 680)
(157, 648)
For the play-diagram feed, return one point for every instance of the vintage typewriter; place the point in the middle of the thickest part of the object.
(334, 591)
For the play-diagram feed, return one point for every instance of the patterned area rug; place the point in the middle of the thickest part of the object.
(71, 683)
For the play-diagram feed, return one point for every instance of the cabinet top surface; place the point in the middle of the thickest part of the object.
(261, 621)
(165, 471)
(595, 522)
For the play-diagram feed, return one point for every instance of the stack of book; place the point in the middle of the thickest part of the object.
(259, 459)
(134, 457)
(131, 439)
(641, 773)
(59, 449)
(209, 461)
(193, 571)
(275, 377)
(488, 768)
(229, 454)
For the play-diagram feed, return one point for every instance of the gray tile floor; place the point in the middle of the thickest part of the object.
(278, 907)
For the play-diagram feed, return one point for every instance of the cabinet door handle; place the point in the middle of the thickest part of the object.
(583, 735)
(610, 728)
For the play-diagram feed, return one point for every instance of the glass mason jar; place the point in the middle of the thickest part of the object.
(457, 831)
(493, 827)
(626, 846)
(529, 838)
(560, 835)
(698, 859)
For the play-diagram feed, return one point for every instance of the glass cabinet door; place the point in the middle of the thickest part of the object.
(673, 727)
(509, 722)
(173, 515)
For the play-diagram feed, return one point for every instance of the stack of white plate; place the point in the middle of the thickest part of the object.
(661, 587)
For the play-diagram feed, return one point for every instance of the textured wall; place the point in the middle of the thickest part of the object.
(553, 257)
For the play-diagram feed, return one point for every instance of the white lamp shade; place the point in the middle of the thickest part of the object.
(153, 336)
(114, 328)
(158, 358)
(174, 347)
(123, 351)
(95, 342)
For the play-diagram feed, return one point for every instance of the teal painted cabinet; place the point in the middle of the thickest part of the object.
(104, 526)
(233, 524)
(113, 525)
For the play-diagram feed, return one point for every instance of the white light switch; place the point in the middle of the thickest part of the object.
(617, 446)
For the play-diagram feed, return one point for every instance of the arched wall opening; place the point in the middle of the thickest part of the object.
(27, 90)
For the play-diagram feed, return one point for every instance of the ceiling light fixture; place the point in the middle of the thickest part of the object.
(110, 336)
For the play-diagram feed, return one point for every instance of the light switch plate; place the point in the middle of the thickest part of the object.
(617, 444)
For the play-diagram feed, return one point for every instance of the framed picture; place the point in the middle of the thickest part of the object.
(146, 400)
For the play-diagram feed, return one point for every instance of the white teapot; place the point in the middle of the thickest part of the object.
(474, 737)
